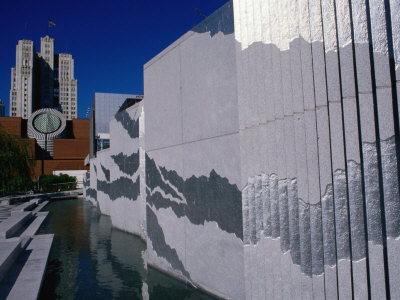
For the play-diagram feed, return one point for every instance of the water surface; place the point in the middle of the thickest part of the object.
(90, 259)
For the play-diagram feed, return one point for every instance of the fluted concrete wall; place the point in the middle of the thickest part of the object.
(116, 182)
(127, 173)
(90, 186)
(319, 134)
(271, 164)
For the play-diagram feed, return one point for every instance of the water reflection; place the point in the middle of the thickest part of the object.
(91, 260)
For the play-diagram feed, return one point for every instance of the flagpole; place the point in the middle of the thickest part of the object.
(49, 24)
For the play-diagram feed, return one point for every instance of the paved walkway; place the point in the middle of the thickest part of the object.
(53, 195)
(23, 254)
(5, 210)
(5, 207)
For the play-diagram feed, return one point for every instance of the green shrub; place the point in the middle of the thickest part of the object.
(54, 183)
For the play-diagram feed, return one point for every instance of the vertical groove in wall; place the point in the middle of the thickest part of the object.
(359, 131)
(382, 132)
(312, 179)
(352, 170)
(328, 200)
(392, 68)
(289, 143)
(394, 29)
(338, 155)
(299, 144)
(278, 115)
(393, 207)
(246, 216)
(310, 227)
(252, 210)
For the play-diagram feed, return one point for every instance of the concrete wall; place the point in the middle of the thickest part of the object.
(194, 228)
(90, 185)
(319, 134)
(271, 162)
(117, 178)
(127, 175)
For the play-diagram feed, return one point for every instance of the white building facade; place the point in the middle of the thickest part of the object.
(67, 86)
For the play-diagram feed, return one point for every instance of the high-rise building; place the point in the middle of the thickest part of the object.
(67, 91)
(2, 109)
(46, 72)
(22, 80)
(42, 80)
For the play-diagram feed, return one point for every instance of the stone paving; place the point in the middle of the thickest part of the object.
(5, 211)
(23, 254)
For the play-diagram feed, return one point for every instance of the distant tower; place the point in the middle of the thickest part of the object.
(22, 80)
(42, 80)
(46, 72)
(2, 109)
(67, 86)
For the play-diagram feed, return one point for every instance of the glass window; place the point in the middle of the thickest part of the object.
(103, 144)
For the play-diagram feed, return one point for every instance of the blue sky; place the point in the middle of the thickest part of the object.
(110, 41)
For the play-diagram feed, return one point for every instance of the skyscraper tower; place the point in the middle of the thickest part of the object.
(42, 80)
(22, 80)
(67, 86)
(46, 72)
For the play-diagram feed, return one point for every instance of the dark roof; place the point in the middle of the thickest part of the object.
(129, 102)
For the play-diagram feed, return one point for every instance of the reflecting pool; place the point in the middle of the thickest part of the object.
(90, 259)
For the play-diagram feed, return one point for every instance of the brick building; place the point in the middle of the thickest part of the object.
(69, 151)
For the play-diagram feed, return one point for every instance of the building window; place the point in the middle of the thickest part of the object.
(103, 144)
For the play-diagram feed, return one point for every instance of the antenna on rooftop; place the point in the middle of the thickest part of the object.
(196, 10)
(88, 113)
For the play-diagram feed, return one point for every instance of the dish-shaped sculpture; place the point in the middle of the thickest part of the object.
(45, 125)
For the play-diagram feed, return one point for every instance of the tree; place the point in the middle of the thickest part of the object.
(16, 163)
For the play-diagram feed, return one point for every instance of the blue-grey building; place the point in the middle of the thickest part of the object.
(2, 109)
(104, 107)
